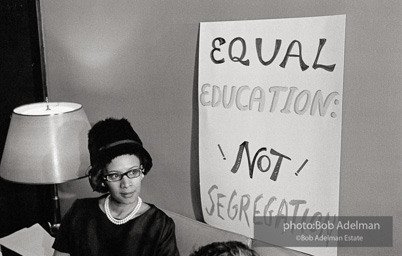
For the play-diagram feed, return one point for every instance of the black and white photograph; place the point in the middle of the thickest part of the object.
(200, 127)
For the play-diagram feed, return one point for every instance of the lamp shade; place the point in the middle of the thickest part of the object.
(46, 144)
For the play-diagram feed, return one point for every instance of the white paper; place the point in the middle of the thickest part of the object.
(32, 241)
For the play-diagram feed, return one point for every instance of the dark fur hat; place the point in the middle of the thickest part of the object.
(109, 139)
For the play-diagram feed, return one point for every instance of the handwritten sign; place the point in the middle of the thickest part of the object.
(270, 116)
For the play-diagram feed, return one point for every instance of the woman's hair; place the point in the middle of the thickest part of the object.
(109, 139)
(230, 248)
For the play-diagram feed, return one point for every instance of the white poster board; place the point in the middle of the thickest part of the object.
(270, 117)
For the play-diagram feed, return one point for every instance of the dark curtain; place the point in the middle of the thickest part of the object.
(21, 205)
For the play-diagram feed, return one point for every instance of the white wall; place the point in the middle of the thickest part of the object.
(137, 59)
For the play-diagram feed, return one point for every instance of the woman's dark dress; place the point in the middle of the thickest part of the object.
(85, 230)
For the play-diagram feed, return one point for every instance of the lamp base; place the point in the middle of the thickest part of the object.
(55, 225)
(54, 229)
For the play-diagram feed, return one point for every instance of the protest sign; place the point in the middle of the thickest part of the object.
(270, 118)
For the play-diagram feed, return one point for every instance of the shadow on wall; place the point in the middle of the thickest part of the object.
(194, 162)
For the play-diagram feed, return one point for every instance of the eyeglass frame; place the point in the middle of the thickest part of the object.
(121, 175)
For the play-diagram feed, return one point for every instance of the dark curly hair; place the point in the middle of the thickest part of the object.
(109, 139)
(230, 248)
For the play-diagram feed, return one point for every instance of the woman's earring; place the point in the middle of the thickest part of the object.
(103, 184)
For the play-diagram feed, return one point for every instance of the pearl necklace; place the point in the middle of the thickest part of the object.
(126, 219)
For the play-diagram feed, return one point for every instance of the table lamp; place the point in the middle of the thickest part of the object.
(46, 144)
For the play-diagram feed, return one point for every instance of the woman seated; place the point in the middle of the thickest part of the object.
(118, 222)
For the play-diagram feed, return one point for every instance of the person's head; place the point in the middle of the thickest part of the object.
(230, 248)
(114, 147)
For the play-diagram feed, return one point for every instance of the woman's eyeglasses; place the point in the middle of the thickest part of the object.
(131, 174)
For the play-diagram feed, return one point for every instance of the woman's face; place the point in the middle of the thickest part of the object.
(125, 191)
